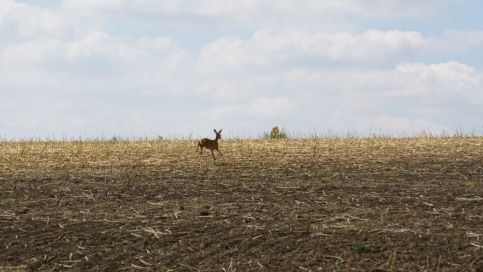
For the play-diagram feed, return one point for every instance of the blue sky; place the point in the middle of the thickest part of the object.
(144, 68)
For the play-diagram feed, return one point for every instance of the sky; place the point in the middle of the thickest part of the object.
(179, 68)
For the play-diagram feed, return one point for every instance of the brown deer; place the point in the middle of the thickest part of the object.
(210, 144)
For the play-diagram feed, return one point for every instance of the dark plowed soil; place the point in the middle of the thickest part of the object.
(297, 205)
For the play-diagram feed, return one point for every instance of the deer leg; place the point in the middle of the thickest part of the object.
(212, 154)
(219, 151)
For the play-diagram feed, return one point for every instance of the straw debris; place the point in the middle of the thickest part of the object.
(280, 205)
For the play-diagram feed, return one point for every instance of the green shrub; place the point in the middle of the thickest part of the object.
(360, 247)
(275, 133)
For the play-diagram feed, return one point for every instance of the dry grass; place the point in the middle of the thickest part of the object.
(415, 204)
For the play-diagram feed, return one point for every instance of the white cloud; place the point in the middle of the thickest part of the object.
(265, 14)
(48, 49)
(264, 108)
(221, 89)
(29, 21)
(97, 62)
(69, 70)
(268, 49)
(444, 78)
(411, 80)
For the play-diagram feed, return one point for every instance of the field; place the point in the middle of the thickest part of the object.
(330, 204)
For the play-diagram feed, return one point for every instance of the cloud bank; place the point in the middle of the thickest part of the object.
(143, 68)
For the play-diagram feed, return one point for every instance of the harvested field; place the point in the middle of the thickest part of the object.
(378, 204)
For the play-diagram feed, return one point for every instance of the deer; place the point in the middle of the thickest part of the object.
(210, 144)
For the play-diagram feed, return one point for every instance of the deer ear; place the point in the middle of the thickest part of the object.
(214, 130)
(220, 130)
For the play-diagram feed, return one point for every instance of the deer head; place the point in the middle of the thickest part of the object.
(218, 134)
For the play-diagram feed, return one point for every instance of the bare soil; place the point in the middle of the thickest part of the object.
(382, 204)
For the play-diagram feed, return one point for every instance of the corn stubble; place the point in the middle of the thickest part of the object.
(414, 203)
